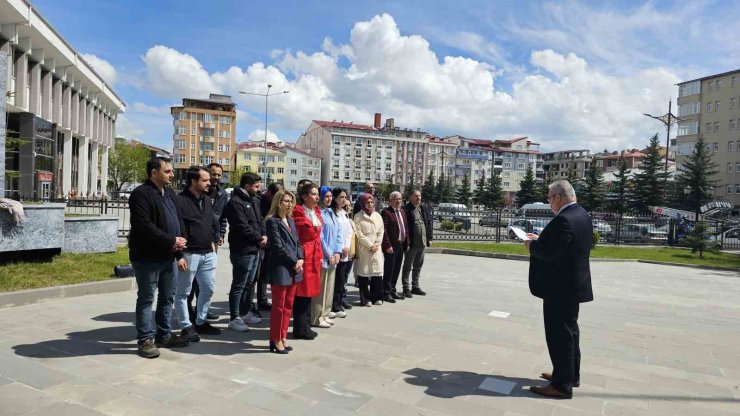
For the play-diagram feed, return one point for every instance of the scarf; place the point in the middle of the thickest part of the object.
(364, 198)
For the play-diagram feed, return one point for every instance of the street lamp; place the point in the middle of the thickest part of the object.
(266, 95)
(668, 119)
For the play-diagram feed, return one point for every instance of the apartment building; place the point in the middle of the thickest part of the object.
(558, 164)
(300, 165)
(514, 157)
(60, 113)
(270, 164)
(352, 154)
(204, 132)
(441, 156)
(710, 107)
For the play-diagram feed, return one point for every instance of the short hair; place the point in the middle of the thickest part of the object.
(563, 188)
(301, 183)
(249, 178)
(155, 163)
(395, 193)
(306, 189)
(275, 187)
(193, 173)
(216, 165)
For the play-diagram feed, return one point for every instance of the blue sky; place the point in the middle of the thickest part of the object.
(571, 74)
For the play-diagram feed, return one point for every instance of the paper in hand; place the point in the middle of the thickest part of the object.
(520, 233)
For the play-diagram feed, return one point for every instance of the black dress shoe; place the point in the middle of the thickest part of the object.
(407, 293)
(398, 296)
(265, 306)
(212, 316)
(550, 391)
(287, 348)
(418, 291)
(274, 348)
(389, 299)
(207, 329)
(346, 305)
(313, 333)
(304, 336)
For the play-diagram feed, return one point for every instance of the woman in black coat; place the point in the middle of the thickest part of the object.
(283, 267)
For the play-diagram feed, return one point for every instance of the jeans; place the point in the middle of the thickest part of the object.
(202, 268)
(151, 276)
(340, 283)
(414, 257)
(243, 273)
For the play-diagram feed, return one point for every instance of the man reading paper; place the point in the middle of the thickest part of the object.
(559, 274)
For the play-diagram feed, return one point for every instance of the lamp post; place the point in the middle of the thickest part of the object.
(266, 95)
(668, 119)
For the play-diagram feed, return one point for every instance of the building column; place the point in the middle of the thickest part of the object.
(67, 162)
(82, 171)
(104, 171)
(94, 169)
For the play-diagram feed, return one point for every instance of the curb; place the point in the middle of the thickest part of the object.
(519, 257)
(27, 297)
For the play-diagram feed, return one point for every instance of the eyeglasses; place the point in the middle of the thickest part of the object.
(550, 197)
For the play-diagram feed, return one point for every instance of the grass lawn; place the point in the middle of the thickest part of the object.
(663, 254)
(63, 269)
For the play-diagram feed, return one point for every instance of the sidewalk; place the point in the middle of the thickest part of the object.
(658, 340)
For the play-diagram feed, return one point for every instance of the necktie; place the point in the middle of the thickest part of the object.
(401, 226)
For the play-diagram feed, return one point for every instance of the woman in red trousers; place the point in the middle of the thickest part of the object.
(283, 267)
(308, 220)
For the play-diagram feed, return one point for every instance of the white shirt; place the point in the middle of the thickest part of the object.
(564, 207)
(345, 230)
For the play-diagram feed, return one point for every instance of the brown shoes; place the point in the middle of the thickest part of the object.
(550, 391)
(548, 377)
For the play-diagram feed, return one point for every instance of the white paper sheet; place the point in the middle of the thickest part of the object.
(520, 233)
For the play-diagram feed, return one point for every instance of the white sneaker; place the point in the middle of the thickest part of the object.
(238, 325)
(322, 324)
(329, 321)
(368, 304)
(341, 314)
(378, 302)
(332, 315)
(251, 319)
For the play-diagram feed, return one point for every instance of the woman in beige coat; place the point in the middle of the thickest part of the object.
(369, 264)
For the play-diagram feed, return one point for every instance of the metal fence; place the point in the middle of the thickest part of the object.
(627, 229)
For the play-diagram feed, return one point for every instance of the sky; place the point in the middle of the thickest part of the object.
(568, 75)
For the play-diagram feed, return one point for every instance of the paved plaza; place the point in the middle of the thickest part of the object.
(658, 340)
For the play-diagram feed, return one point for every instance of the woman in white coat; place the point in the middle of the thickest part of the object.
(369, 264)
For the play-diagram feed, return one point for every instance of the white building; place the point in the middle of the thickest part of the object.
(57, 100)
(300, 165)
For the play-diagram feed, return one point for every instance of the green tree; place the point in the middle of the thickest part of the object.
(699, 242)
(592, 195)
(572, 175)
(695, 176)
(494, 192)
(126, 164)
(528, 191)
(480, 190)
(428, 190)
(621, 193)
(410, 186)
(443, 190)
(649, 184)
(463, 194)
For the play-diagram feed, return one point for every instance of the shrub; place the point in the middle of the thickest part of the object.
(698, 240)
(595, 237)
(458, 226)
(448, 225)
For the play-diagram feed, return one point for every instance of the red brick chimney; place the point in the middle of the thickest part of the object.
(377, 120)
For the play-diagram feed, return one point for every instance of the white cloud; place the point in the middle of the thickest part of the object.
(103, 68)
(259, 136)
(140, 107)
(563, 102)
(127, 129)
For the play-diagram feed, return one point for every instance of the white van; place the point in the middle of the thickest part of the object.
(450, 211)
(537, 209)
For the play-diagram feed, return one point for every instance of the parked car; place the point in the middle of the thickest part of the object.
(489, 221)
(730, 237)
(640, 233)
(602, 227)
(453, 212)
(527, 225)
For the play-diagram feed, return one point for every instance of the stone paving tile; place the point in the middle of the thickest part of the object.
(65, 409)
(651, 346)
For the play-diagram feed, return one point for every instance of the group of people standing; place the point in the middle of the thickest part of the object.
(302, 244)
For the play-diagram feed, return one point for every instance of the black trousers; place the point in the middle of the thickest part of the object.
(392, 268)
(301, 316)
(373, 292)
(562, 335)
(340, 281)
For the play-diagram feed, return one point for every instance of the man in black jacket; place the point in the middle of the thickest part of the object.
(155, 241)
(560, 274)
(246, 235)
(199, 257)
(420, 234)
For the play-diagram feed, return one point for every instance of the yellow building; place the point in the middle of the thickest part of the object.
(250, 157)
(205, 131)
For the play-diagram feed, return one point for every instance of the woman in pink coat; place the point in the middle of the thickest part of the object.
(308, 220)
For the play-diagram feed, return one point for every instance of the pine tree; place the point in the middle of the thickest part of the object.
(480, 190)
(650, 182)
(463, 193)
(410, 186)
(592, 195)
(444, 189)
(528, 191)
(620, 196)
(428, 191)
(494, 192)
(572, 175)
(695, 175)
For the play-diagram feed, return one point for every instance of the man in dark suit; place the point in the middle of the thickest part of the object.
(559, 274)
(420, 230)
(395, 243)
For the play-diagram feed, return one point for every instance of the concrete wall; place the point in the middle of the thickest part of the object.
(42, 229)
(90, 234)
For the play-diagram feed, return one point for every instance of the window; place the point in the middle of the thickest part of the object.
(192, 145)
(732, 124)
(708, 128)
(715, 147)
(729, 167)
(369, 155)
(224, 119)
(280, 170)
(181, 145)
(335, 140)
(716, 126)
(507, 184)
(716, 106)
(733, 102)
(709, 87)
(688, 127)
(520, 165)
(689, 88)
(294, 172)
(710, 106)
(180, 158)
(335, 174)
(358, 164)
(208, 118)
(737, 189)
(224, 134)
(730, 146)
(347, 153)
(388, 166)
(729, 189)
(357, 176)
(358, 153)
(737, 167)
(335, 163)
(346, 175)
(192, 160)
(192, 132)
(181, 130)
(688, 109)
(718, 85)
(735, 82)
(336, 151)
(507, 165)
(193, 116)
(220, 147)
(181, 115)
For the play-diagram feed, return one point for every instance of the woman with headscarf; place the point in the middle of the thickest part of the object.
(331, 245)
(369, 266)
(307, 217)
